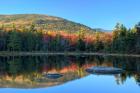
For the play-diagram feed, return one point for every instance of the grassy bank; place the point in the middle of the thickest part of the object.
(63, 53)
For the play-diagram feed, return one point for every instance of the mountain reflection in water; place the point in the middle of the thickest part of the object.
(28, 71)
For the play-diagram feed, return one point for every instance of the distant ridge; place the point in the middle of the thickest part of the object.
(46, 22)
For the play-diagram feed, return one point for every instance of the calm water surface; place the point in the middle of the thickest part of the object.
(26, 74)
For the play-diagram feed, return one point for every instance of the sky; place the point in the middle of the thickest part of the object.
(93, 13)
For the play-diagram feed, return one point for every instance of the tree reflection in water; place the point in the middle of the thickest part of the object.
(27, 71)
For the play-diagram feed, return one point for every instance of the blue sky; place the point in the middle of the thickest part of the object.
(94, 13)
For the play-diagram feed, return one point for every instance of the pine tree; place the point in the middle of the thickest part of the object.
(138, 38)
(14, 41)
(81, 45)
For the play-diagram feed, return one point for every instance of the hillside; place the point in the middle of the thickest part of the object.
(54, 34)
(44, 22)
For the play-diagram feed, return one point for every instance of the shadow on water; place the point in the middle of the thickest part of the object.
(29, 71)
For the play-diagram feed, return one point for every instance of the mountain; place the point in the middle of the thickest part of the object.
(102, 30)
(44, 22)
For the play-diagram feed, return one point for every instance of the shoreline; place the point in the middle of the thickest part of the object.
(65, 54)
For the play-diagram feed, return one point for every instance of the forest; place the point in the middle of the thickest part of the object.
(120, 40)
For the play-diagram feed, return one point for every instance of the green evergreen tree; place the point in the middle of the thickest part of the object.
(14, 41)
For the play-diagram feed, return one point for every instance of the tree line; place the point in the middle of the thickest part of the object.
(122, 40)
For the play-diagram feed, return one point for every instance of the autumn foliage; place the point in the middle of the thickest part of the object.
(121, 40)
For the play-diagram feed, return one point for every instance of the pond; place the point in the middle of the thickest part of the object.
(26, 74)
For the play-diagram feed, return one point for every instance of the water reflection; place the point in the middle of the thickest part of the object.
(28, 71)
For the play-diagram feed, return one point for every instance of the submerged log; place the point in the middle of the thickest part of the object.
(104, 70)
(53, 75)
